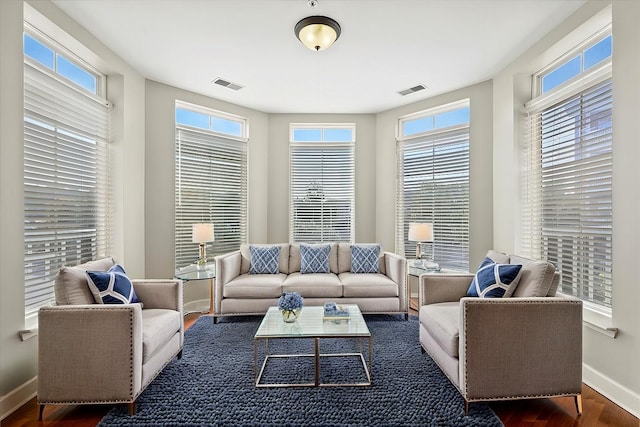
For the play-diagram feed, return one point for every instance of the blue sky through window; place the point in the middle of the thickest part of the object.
(576, 65)
(47, 56)
(459, 116)
(209, 122)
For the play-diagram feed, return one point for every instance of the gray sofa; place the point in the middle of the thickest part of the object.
(105, 353)
(528, 345)
(237, 292)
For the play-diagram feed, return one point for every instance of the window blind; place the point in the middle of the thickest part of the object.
(322, 192)
(67, 192)
(566, 190)
(210, 187)
(433, 187)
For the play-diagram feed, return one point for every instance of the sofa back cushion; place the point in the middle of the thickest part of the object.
(71, 287)
(344, 258)
(283, 261)
(536, 277)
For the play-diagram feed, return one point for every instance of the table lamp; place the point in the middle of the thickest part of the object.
(201, 234)
(422, 233)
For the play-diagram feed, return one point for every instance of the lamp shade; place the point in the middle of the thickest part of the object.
(420, 232)
(317, 32)
(202, 233)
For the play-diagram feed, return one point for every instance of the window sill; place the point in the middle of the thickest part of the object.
(598, 319)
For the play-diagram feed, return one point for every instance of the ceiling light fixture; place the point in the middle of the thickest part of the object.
(317, 32)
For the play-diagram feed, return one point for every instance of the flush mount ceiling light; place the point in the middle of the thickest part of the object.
(317, 32)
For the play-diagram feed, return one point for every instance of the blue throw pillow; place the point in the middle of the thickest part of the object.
(364, 258)
(112, 286)
(314, 258)
(264, 259)
(492, 280)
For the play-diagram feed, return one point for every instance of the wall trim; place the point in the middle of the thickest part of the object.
(17, 397)
(620, 395)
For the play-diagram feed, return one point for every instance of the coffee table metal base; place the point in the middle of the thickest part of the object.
(316, 355)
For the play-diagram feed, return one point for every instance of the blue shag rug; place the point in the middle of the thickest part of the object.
(213, 383)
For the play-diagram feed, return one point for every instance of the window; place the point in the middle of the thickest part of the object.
(67, 195)
(566, 190)
(433, 181)
(211, 179)
(322, 183)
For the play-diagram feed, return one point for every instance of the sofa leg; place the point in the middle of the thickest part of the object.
(578, 401)
(406, 316)
(215, 320)
(132, 408)
(40, 412)
(466, 407)
(180, 354)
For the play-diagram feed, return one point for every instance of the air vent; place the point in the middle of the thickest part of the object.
(414, 89)
(227, 84)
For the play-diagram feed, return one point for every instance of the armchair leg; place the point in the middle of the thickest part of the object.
(40, 412)
(132, 408)
(406, 316)
(215, 320)
(466, 407)
(180, 355)
(578, 401)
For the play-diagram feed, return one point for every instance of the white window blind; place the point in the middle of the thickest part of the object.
(67, 195)
(211, 187)
(433, 187)
(322, 188)
(566, 190)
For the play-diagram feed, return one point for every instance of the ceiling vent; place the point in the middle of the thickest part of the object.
(227, 84)
(412, 90)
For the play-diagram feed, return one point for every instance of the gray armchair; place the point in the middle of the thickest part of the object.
(525, 346)
(105, 353)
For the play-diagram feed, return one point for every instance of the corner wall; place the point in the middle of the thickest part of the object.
(610, 366)
(480, 168)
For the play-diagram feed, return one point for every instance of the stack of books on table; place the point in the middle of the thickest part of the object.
(335, 312)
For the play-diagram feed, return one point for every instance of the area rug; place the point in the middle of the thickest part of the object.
(213, 384)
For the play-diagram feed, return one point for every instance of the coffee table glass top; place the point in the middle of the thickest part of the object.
(311, 324)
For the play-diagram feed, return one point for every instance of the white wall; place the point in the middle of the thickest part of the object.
(610, 365)
(18, 359)
(365, 160)
(480, 168)
(160, 172)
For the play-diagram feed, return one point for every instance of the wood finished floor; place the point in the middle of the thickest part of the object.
(598, 411)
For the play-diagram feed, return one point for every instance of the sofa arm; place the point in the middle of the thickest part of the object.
(443, 287)
(396, 270)
(227, 268)
(520, 347)
(79, 346)
(156, 293)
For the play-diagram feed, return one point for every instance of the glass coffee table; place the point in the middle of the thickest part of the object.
(310, 325)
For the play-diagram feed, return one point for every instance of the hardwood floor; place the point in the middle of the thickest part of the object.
(598, 411)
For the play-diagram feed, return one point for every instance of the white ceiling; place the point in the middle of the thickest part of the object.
(385, 46)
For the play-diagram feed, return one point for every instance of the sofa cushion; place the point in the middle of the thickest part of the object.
(498, 257)
(344, 259)
(245, 256)
(71, 285)
(313, 285)
(295, 258)
(366, 285)
(255, 286)
(441, 322)
(158, 326)
(111, 286)
(365, 258)
(536, 277)
(494, 280)
(314, 258)
(264, 259)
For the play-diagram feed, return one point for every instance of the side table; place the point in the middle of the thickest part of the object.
(199, 272)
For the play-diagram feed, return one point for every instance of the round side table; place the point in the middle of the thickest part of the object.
(199, 272)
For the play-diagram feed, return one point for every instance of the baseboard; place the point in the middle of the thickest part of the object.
(617, 393)
(18, 397)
